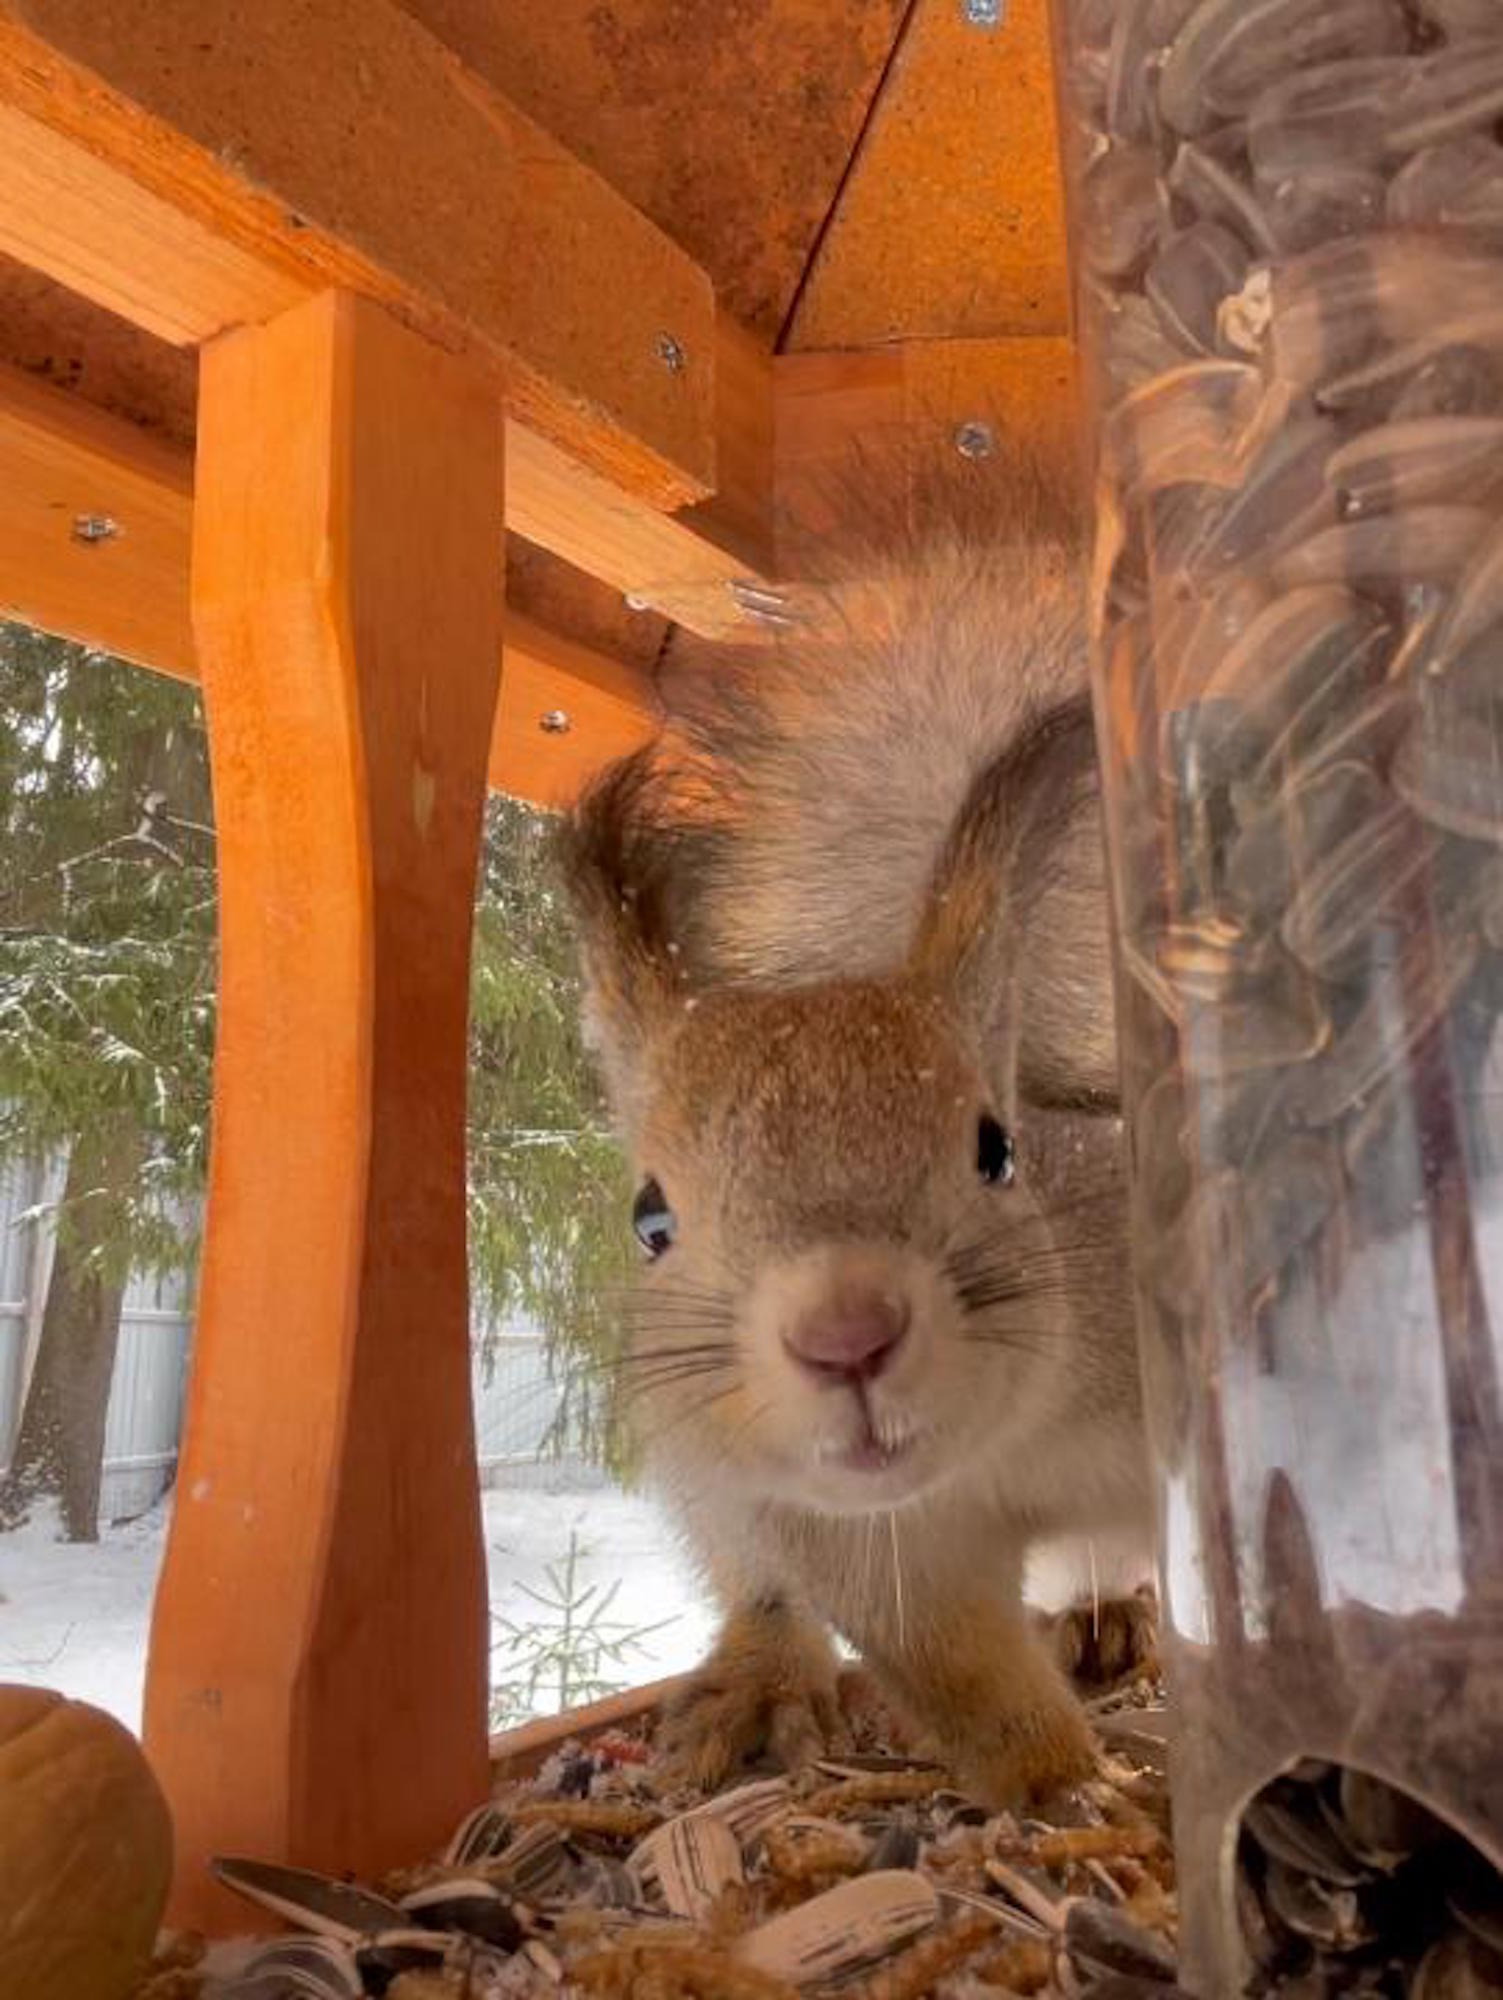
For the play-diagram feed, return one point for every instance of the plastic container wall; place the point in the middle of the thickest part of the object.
(1287, 221)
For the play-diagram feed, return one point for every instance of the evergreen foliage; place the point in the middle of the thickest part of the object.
(107, 991)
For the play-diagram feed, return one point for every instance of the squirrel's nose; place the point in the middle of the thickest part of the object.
(851, 1338)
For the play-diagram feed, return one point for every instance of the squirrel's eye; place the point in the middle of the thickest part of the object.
(652, 1219)
(993, 1152)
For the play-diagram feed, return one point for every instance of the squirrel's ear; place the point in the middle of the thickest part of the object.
(620, 861)
(1018, 832)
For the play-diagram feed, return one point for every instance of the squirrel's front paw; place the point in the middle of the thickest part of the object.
(768, 1689)
(1099, 1644)
(1025, 1756)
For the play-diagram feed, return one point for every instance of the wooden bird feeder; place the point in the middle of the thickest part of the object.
(424, 377)
(408, 372)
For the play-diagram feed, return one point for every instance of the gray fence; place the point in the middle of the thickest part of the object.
(146, 1396)
(518, 1406)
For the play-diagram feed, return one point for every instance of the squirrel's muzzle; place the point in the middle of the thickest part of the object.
(849, 1338)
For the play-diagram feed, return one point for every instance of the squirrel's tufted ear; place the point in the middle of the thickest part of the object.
(623, 864)
(1016, 837)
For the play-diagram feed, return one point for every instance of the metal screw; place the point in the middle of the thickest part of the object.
(94, 528)
(635, 601)
(770, 607)
(984, 13)
(671, 353)
(555, 722)
(975, 439)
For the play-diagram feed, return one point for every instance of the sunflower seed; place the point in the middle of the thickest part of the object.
(1393, 552)
(1449, 768)
(1292, 1832)
(1295, 669)
(1426, 458)
(1213, 193)
(1381, 1824)
(1455, 185)
(319, 1903)
(1358, 883)
(690, 1862)
(1458, 1968)
(1341, 303)
(1123, 210)
(476, 1908)
(1189, 279)
(1230, 50)
(896, 1846)
(851, 1925)
(1099, 1938)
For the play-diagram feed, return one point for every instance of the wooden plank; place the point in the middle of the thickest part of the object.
(951, 224)
(1025, 387)
(60, 459)
(918, 392)
(193, 167)
(564, 712)
(522, 1752)
(689, 559)
(730, 126)
(841, 415)
(543, 587)
(685, 565)
(64, 463)
(317, 1680)
(63, 466)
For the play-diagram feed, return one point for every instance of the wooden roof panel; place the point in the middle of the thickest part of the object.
(951, 225)
(729, 125)
(197, 168)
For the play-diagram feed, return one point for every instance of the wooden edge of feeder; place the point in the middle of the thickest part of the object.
(522, 1752)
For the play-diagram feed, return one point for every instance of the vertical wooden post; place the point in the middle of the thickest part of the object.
(317, 1681)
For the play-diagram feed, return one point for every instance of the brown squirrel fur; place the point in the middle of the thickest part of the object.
(850, 904)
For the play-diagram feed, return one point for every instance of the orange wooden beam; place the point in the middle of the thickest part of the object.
(65, 465)
(62, 461)
(565, 712)
(688, 565)
(317, 1679)
(194, 167)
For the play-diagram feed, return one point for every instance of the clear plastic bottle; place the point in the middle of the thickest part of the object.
(1287, 223)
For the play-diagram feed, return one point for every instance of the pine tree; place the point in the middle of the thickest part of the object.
(106, 1014)
(107, 963)
(549, 1233)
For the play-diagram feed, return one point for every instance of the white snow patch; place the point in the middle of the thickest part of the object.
(75, 1617)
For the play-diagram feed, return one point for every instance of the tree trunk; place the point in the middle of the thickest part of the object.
(60, 1451)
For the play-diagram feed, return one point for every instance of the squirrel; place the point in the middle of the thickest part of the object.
(845, 944)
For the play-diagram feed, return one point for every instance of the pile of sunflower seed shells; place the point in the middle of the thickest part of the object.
(1349, 1887)
(1291, 237)
(866, 1876)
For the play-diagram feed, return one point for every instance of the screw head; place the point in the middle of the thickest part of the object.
(95, 528)
(984, 13)
(555, 722)
(757, 600)
(974, 439)
(670, 352)
(635, 601)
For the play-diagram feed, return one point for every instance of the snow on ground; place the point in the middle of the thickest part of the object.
(75, 1618)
